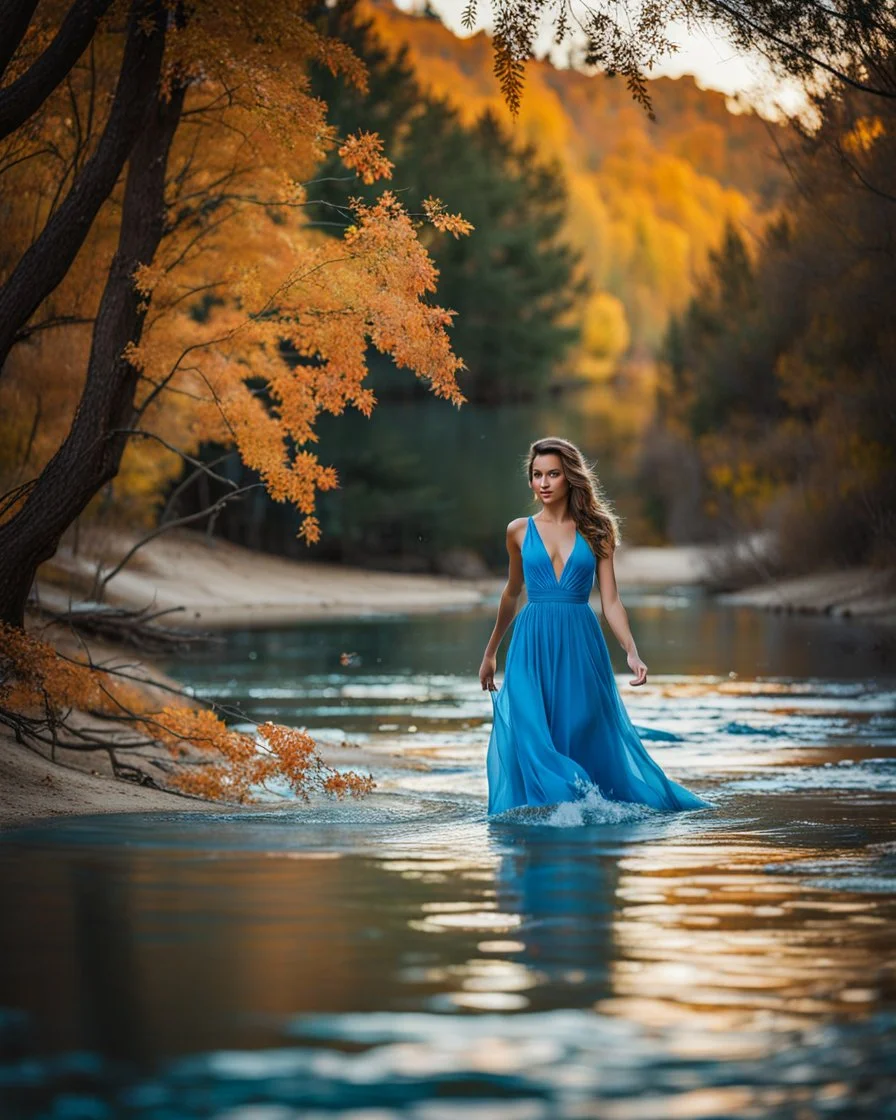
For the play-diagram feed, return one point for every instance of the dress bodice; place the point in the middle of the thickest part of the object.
(542, 586)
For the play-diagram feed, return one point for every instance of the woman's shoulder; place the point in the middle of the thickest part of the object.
(516, 528)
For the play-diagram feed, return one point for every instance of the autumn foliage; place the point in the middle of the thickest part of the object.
(648, 200)
(256, 322)
(39, 688)
(243, 322)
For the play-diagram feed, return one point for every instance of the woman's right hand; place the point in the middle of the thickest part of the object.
(487, 674)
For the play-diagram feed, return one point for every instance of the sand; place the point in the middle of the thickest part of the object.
(864, 594)
(214, 584)
(32, 787)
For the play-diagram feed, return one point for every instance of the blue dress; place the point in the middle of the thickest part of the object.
(560, 727)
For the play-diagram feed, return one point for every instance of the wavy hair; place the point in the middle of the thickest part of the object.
(590, 509)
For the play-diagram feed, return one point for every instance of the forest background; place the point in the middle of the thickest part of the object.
(697, 295)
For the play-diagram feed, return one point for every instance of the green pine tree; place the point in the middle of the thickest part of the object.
(513, 282)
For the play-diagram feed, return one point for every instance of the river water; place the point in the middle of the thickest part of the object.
(403, 956)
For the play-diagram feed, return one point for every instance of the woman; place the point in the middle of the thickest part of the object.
(560, 727)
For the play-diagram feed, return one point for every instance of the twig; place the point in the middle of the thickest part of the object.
(187, 520)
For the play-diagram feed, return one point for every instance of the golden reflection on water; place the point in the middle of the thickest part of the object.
(702, 935)
(696, 938)
(653, 952)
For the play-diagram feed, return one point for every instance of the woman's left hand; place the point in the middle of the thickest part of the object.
(638, 667)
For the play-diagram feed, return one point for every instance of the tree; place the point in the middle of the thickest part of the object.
(782, 368)
(212, 199)
(46, 261)
(187, 76)
(27, 92)
(164, 303)
(515, 283)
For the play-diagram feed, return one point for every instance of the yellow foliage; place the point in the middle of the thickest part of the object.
(605, 330)
(733, 471)
(364, 154)
(647, 202)
(437, 213)
(240, 275)
(863, 134)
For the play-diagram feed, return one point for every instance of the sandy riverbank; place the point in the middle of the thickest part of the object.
(214, 584)
(863, 594)
(32, 787)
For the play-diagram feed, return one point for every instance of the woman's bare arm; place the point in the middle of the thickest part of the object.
(617, 616)
(507, 605)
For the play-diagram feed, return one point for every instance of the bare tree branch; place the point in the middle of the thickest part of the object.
(209, 511)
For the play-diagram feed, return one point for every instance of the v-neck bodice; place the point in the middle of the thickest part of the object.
(542, 585)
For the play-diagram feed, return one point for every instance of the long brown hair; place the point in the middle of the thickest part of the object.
(590, 509)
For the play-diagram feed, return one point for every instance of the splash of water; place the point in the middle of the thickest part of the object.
(589, 809)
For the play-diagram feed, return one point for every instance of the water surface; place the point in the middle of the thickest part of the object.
(405, 956)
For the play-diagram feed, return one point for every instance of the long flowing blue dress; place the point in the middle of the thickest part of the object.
(560, 727)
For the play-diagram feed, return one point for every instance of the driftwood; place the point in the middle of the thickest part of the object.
(137, 629)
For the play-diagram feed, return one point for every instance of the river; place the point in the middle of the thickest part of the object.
(404, 956)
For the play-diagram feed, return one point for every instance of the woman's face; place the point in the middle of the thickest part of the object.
(548, 480)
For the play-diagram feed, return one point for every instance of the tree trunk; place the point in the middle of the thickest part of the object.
(15, 15)
(91, 453)
(46, 262)
(27, 93)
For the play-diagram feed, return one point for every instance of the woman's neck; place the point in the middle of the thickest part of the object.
(556, 517)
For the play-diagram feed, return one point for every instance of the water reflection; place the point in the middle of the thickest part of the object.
(564, 895)
(706, 938)
(406, 956)
(597, 963)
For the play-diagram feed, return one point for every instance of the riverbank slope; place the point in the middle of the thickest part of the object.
(212, 584)
(866, 594)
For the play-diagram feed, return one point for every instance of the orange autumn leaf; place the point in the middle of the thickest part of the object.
(363, 153)
(257, 322)
(209, 758)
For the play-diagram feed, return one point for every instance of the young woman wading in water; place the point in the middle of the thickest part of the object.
(560, 727)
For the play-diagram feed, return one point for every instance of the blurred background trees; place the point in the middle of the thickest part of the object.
(515, 285)
(777, 398)
(592, 226)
